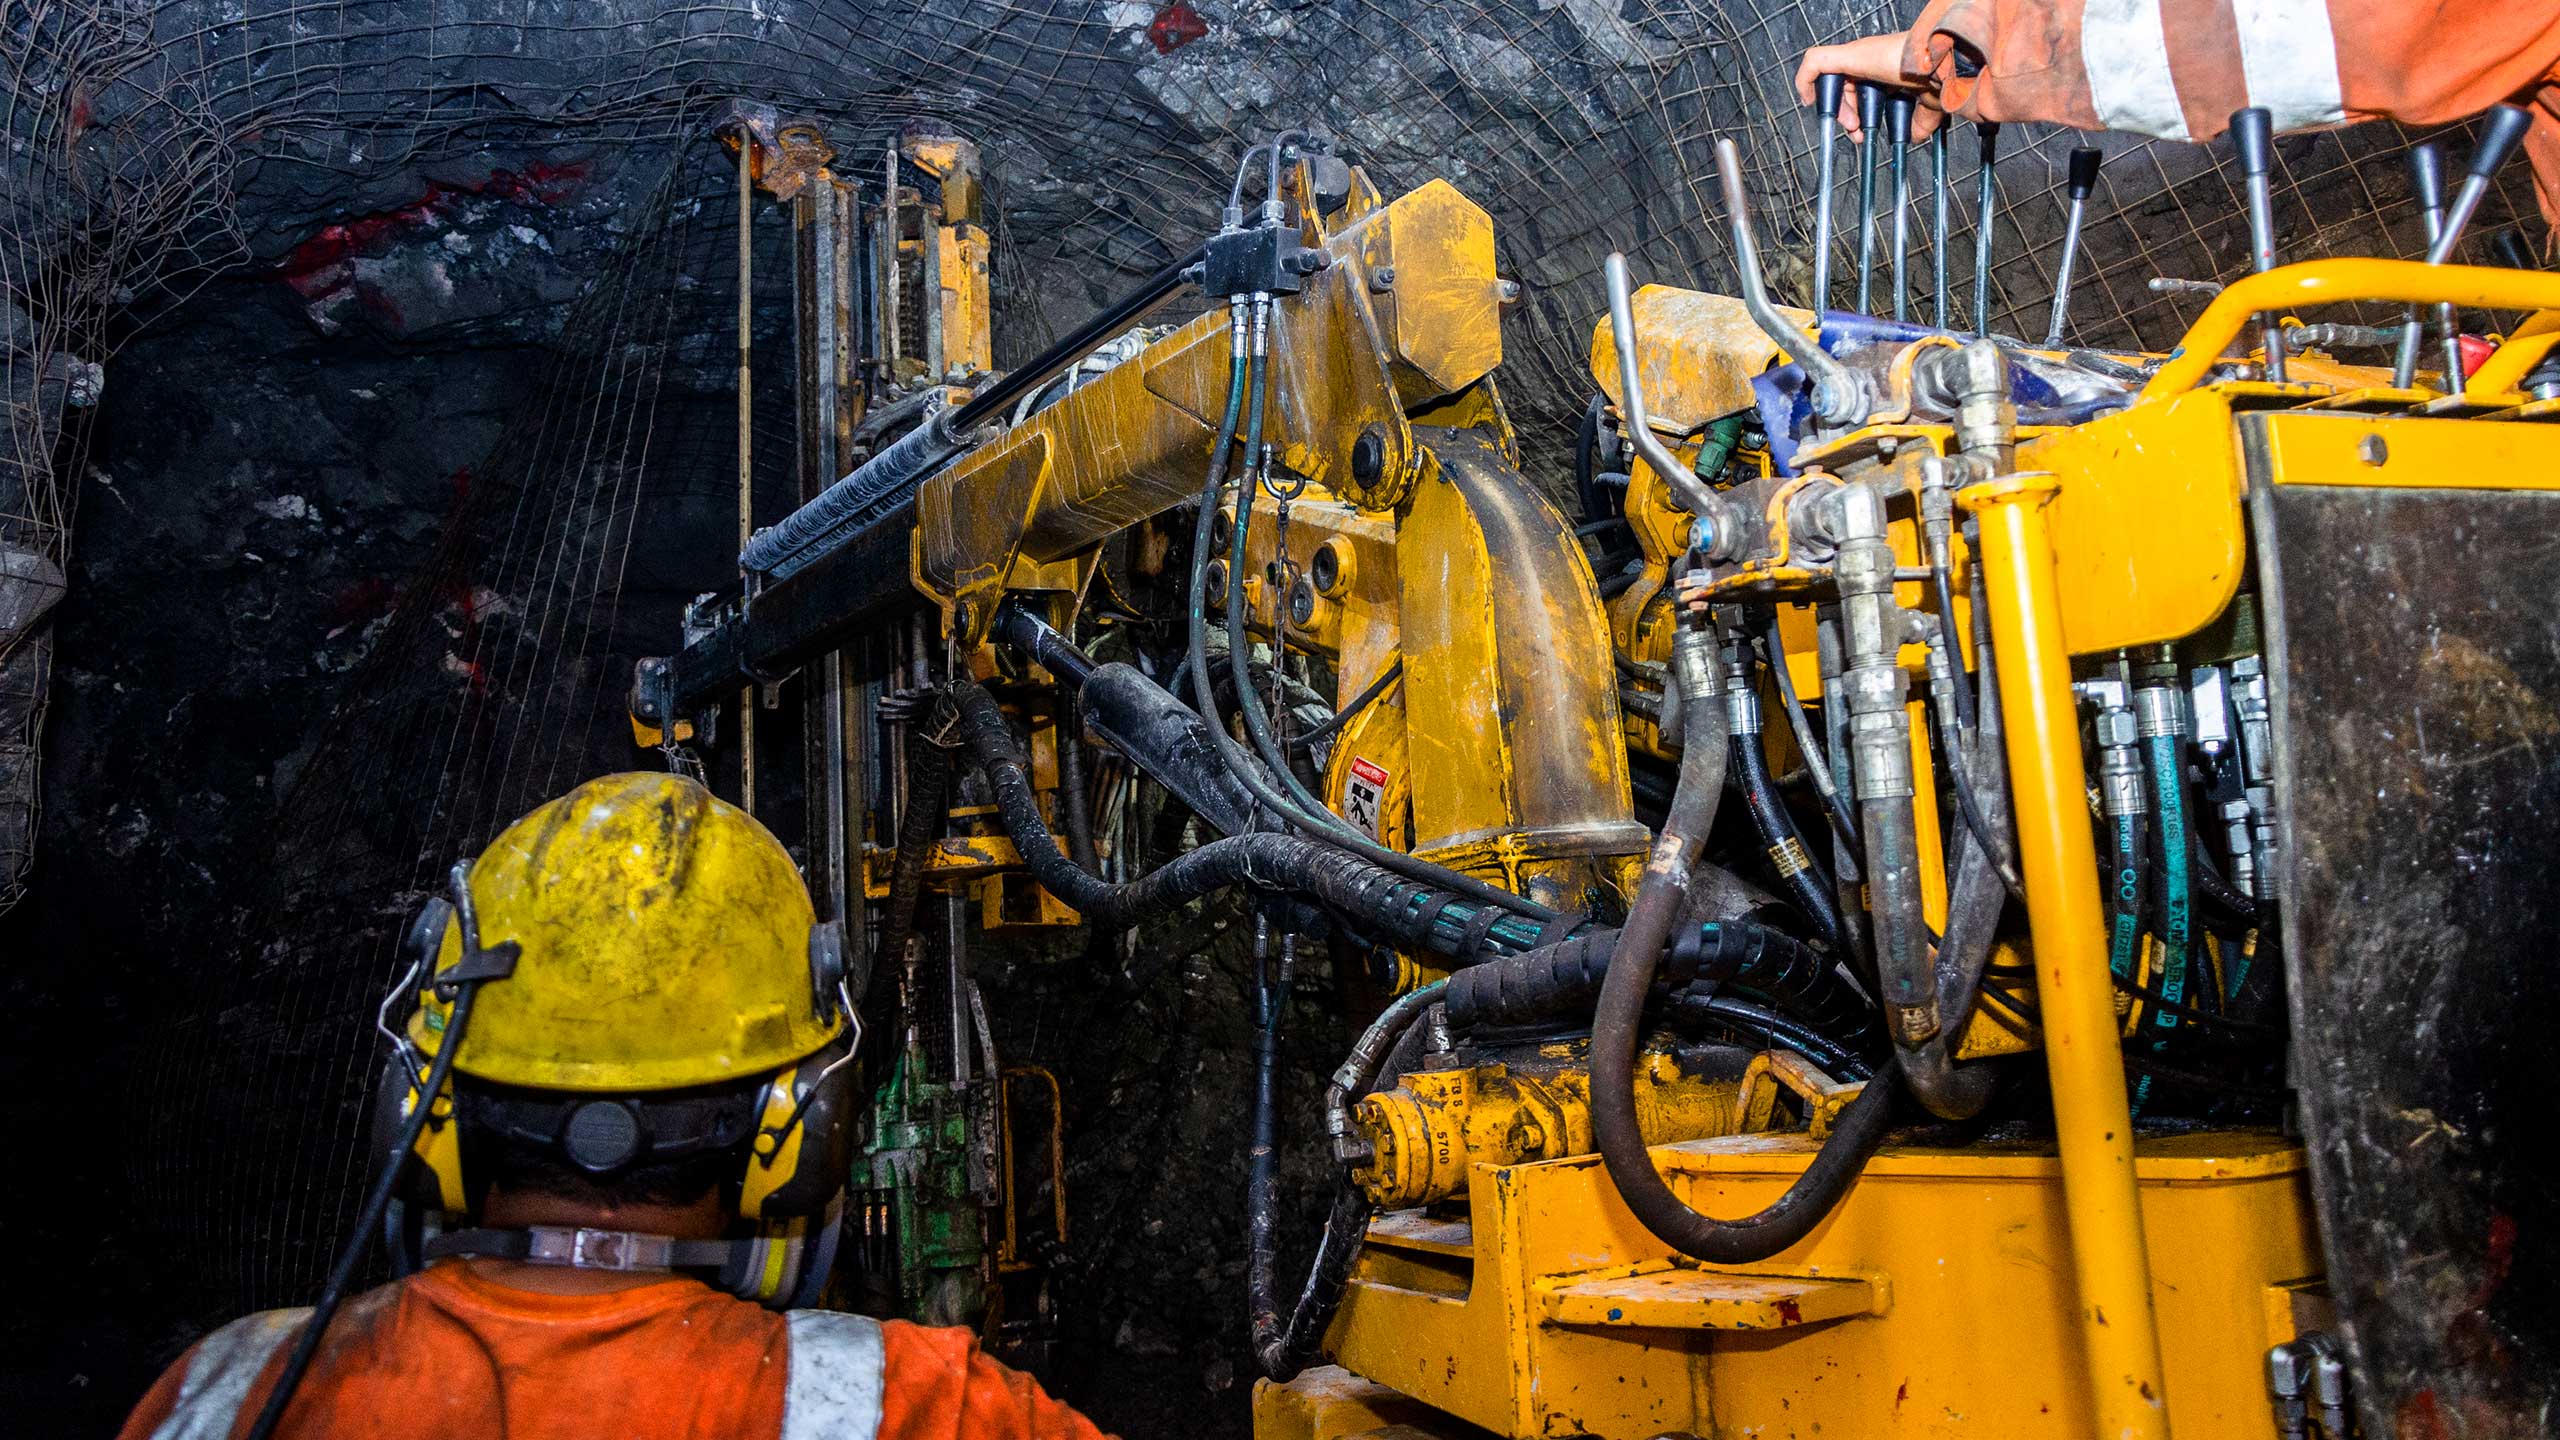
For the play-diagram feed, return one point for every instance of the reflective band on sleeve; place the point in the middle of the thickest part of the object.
(833, 1388)
(2125, 52)
(2290, 57)
(223, 1369)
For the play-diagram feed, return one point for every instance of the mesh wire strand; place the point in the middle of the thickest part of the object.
(143, 134)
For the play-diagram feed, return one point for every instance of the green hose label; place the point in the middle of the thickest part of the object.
(1364, 795)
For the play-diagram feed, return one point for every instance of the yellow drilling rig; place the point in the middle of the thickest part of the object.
(1978, 890)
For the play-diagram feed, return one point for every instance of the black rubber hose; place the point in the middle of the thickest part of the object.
(1244, 766)
(1375, 688)
(1615, 1033)
(1948, 1089)
(1403, 913)
(368, 1219)
(1261, 1202)
(928, 782)
(1285, 1351)
(1807, 882)
(2211, 886)
(1833, 806)
(1564, 978)
(1586, 458)
(1072, 801)
(1768, 1025)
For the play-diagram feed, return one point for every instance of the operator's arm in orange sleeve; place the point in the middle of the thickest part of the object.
(940, 1386)
(2176, 69)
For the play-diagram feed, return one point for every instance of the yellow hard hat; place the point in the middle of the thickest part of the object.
(666, 941)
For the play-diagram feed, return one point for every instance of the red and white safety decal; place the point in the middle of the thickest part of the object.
(1364, 795)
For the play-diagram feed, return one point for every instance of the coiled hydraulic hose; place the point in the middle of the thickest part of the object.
(1616, 1028)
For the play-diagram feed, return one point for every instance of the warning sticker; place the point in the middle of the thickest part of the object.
(1364, 795)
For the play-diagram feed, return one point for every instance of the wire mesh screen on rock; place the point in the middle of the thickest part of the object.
(1108, 132)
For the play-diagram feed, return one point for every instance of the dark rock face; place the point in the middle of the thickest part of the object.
(414, 429)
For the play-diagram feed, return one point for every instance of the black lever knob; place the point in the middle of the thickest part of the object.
(2084, 171)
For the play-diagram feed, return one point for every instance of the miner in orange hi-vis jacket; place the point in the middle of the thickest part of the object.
(2177, 69)
(618, 1130)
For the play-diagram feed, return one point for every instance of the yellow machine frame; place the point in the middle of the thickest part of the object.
(1937, 1298)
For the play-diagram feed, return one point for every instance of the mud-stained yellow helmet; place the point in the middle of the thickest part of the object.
(666, 941)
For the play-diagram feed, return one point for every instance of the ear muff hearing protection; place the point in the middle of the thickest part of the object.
(560, 883)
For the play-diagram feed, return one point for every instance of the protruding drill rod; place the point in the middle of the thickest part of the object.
(2505, 126)
(1986, 194)
(1938, 227)
(1898, 112)
(1826, 99)
(2083, 179)
(2253, 134)
(1870, 120)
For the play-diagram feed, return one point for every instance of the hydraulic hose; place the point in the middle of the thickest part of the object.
(1771, 1027)
(2162, 725)
(1807, 883)
(1949, 1090)
(1233, 755)
(1563, 978)
(1071, 796)
(1815, 765)
(928, 782)
(1404, 913)
(1309, 739)
(1283, 1350)
(1615, 1029)
(1261, 1204)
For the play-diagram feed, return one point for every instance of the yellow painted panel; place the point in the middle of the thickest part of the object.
(2397, 452)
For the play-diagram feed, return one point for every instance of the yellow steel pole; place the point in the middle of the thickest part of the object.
(2059, 864)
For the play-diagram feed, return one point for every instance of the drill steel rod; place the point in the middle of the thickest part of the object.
(1986, 195)
(1898, 131)
(2084, 175)
(2253, 135)
(2506, 125)
(1826, 99)
(1870, 119)
(1938, 227)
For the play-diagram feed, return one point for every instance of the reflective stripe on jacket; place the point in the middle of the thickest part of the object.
(2176, 69)
(451, 1353)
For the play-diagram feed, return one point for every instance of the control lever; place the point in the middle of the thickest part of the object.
(2253, 134)
(1938, 226)
(1898, 113)
(2426, 186)
(1988, 134)
(2083, 179)
(1826, 99)
(1870, 120)
(2506, 125)
(1841, 397)
(2513, 252)
(1715, 514)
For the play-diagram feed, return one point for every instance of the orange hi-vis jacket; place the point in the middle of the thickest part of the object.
(2177, 69)
(449, 1353)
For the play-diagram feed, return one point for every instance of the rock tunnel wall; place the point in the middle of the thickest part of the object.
(382, 354)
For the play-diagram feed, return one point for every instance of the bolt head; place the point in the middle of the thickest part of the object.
(2373, 450)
